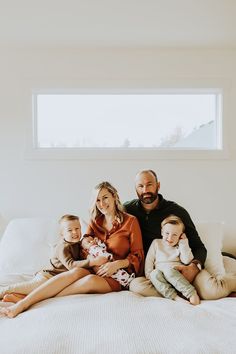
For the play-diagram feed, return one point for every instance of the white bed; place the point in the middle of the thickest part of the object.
(112, 323)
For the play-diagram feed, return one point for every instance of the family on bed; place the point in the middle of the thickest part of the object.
(110, 256)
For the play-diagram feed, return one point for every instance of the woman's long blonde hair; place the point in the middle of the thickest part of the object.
(119, 210)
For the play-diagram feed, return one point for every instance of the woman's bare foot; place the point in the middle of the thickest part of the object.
(194, 299)
(14, 310)
(13, 297)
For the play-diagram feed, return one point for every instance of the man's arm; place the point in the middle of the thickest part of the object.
(198, 249)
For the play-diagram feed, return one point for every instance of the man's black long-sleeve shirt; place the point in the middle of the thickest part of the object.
(150, 224)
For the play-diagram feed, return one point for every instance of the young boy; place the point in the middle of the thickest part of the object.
(66, 256)
(96, 248)
(162, 257)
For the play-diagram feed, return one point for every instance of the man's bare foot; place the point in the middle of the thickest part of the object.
(13, 297)
(180, 299)
(12, 311)
(194, 299)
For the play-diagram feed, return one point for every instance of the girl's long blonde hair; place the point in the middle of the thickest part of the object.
(119, 210)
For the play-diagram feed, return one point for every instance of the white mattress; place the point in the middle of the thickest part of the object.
(121, 323)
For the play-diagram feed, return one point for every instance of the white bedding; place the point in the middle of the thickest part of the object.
(121, 323)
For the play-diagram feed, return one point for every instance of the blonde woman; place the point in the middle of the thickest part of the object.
(122, 236)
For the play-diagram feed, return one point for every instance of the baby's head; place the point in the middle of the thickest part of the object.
(87, 241)
(70, 228)
(172, 228)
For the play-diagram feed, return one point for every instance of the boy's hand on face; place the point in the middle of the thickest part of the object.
(183, 236)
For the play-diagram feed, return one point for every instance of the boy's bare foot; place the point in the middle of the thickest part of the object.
(13, 297)
(194, 299)
(180, 299)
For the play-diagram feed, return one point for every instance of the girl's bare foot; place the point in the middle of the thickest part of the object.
(13, 297)
(13, 311)
(194, 299)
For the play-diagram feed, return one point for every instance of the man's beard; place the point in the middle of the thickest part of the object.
(148, 198)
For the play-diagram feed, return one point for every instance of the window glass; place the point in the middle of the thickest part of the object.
(156, 120)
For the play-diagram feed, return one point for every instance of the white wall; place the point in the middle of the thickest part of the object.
(37, 187)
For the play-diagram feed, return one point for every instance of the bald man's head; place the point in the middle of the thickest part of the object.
(147, 186)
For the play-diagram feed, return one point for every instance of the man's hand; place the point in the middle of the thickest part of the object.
(188, 271)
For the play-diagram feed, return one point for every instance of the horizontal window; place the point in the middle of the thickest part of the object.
(188, 120)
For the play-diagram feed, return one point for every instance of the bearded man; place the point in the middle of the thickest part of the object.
(151, 209)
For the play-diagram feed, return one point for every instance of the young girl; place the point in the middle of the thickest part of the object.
(96, 248)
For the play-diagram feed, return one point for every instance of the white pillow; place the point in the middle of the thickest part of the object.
(211, 234)
(27, 243)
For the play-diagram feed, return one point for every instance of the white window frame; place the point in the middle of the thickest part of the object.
(130, 153)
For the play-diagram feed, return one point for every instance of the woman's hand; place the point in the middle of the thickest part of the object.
(108, 269)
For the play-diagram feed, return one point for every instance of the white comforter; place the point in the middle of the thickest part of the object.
(121, 323)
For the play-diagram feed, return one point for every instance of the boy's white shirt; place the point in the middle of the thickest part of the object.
(161, 254)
